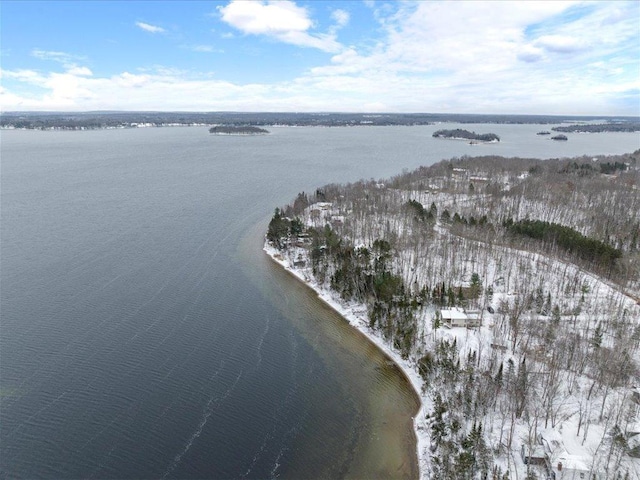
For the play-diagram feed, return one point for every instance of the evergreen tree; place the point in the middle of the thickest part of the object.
(476, 285)
(278, 229)
(596, 340)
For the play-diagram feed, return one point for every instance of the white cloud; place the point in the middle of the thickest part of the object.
(130, 80)
(150, 28)
(24, 75)
(377, 91)
(560, 43)
(501, 57)
(282, 20)
(64, 58)
(341, 17)
(80, 71)
(49, 55)
(203, 48)
(530, 54)
(270, 18)
(484, 56)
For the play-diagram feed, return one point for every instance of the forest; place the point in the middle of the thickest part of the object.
(543, 255)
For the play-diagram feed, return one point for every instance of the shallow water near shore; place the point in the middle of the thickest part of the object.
(145, 334)
(382, 441)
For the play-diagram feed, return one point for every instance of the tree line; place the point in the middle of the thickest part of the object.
(569, 239)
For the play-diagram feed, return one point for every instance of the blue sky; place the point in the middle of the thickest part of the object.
(547, 57)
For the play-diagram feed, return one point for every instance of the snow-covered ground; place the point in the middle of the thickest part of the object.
(575, 449)
(567, 337)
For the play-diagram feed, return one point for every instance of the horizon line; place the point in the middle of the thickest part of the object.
(318, 112)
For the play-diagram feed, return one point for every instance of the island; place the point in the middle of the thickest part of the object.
(507, 289)
(237, 130)
(559, 137)
(460, 134)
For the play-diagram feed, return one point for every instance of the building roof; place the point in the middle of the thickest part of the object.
(570, 462)
(453, 314)
(536, 451)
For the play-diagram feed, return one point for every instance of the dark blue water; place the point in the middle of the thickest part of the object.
(144, 335)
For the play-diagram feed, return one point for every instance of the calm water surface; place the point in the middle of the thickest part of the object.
(145, 335)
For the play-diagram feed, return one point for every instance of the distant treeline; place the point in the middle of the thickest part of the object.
(93, 120)
(460, 133)
(567, 238)
(601, 127)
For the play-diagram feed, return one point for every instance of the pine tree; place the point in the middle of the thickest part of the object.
(476, 285)
(596, 339)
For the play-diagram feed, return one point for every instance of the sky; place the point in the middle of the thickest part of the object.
(523, 57)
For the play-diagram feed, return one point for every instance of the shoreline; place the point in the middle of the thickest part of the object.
(355, 320)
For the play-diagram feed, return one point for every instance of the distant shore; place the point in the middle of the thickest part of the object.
(101, 120)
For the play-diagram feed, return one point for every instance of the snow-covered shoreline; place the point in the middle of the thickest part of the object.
(351, 314)
(572, 415)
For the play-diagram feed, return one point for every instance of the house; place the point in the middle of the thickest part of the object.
(299, 262)
(534, 455)
(457, 317)
(474, 318)
(562, 464)
(565, 466)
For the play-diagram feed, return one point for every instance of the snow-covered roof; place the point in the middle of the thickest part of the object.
(552, 441)
(321, 205)
(536, 451)
(570, 462)
(453, 314)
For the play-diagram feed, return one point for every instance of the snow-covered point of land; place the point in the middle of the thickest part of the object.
(549, 361)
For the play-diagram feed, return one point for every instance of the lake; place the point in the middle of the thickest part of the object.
(144, 334)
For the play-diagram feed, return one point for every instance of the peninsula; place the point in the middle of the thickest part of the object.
(508, 290)
(600, 127)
